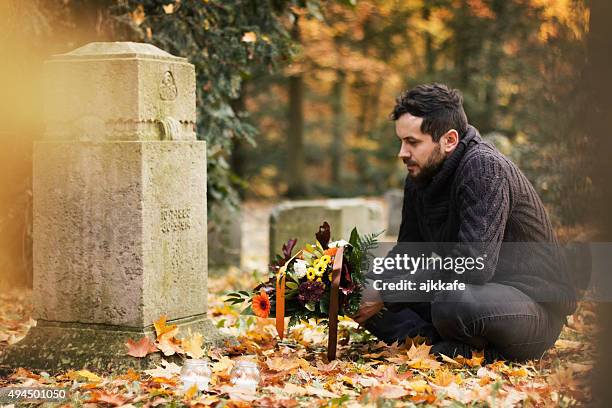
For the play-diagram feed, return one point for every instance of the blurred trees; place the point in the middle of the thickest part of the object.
(518, 63)
(312, 83)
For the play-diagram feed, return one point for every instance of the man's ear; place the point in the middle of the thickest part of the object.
(450, 140)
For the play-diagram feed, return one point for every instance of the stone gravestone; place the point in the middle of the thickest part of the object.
(301, 220)
(395, 201)
(119, 209)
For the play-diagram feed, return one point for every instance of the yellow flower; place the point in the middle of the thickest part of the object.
(326, 259)
(319, 280)
(310, 274)
(320, 268)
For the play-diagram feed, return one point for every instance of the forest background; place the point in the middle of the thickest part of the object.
(294, 96)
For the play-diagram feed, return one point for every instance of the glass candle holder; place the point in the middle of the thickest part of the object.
(195, 371)
(245, 376)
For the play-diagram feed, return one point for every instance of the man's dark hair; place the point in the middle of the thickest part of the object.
(440, 107)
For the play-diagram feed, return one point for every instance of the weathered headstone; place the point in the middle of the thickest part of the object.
(119, 208)
(395, 201)
(301, 220)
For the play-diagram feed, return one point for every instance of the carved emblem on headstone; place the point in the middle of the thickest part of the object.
(167, 88)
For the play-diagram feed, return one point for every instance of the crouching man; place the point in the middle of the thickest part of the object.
(460, 189)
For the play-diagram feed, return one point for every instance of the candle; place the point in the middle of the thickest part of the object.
(245, 376)
(195, 372)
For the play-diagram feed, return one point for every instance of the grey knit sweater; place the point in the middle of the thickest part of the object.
(480, 196)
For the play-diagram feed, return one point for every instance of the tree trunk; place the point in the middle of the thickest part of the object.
(339, 125)
(430, 56)
(462, 46)
(295, 139)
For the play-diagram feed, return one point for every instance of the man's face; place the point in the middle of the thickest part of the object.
(422, 156)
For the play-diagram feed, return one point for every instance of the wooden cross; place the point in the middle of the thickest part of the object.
(332, 340)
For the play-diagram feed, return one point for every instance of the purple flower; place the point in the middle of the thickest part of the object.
(311, 291)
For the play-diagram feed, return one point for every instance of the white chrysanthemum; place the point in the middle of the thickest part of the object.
(337, 244)
(299, 268)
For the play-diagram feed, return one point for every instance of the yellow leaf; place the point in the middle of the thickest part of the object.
(191, 391)
(284, 364)
(224, 364)
(91, 377)
(419, 386)
(169, 345)
(192, 345)
(417, 357)
(387, 391)
(162, 329)
(416, 341)
(444, 378)
(249, 37)
(449, 360)
(475, 361)
(521, 372)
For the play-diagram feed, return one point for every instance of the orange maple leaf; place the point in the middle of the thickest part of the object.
(103, 396)
(141, 347)
(169, 345)
(161, 329)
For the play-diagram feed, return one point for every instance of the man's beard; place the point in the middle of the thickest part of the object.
(432, 166)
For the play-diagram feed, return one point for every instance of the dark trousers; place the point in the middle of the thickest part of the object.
(486, 316)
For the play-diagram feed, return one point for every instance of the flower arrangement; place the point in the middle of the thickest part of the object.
(301, 285)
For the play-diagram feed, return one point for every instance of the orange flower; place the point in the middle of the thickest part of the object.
(330, 251)
(261, 304)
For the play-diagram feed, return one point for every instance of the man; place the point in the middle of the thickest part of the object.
(460, 189)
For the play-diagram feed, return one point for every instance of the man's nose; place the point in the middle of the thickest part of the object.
(404, 153)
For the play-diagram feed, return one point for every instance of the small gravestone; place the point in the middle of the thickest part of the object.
(301, 220)
(394, 200)
(119, 209)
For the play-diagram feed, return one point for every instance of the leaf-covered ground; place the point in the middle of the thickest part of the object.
(295, 371)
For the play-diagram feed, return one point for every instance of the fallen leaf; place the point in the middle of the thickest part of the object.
(386, 391)
(192, 345)
(239, 393)
(162, 329)
(285, 364)
(106, 397)
(444, 378)
(519, 372)
(140, 348)
(169, 345)
(419, 386)
(417, 357)
(88, 375)
(449, 360)
(225, 364)
(475, 361)
(166, 370)
(320, 392)
(191, 392)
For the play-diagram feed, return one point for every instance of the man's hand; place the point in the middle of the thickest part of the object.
(371, 304)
